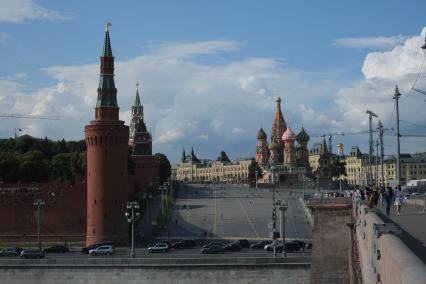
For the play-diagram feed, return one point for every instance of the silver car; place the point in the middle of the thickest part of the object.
(102, 250)
(158, 247)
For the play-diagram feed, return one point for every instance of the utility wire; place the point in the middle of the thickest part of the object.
(415, 81)
(415, 124)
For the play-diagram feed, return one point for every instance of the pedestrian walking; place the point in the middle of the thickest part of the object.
(399, 198)
(388, 196)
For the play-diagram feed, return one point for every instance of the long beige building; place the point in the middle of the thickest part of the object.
(192, 169)
(412, 167)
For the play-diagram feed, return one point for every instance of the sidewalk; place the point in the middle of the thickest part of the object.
(412, 222)
(144, 228)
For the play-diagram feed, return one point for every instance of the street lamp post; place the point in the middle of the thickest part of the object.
(132, 216)
(283, 207)
(38, 203)
(147, 196)
(256, 173)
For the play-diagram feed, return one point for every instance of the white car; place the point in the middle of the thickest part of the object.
(270, 247)
(108, 250)
(158, 247)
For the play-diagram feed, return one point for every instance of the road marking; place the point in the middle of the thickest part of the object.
(248, 218)
(215, 212)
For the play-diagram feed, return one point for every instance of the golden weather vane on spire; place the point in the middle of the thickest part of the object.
(107, 25)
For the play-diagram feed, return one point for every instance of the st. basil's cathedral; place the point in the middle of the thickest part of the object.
(281, 156)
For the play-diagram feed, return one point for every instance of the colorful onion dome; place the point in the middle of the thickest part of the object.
(261, 134)
(289, 135)
(302, 136)
(273, 146)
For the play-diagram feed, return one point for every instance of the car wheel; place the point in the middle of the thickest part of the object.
(109, 253)
(164, 250)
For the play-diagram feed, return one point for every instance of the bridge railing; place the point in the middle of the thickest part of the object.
(384, 257)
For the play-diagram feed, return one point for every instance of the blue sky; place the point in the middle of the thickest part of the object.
(209, 70)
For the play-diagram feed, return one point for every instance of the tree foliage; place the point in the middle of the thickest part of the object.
(336, 168)
(165, 167)
(253, 167)
(29, 159)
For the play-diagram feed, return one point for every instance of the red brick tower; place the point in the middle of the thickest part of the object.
(262, 148)
(106, 139)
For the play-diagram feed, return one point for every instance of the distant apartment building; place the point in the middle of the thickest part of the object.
(192, 169)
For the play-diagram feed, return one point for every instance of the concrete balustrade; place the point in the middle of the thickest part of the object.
(384, 257)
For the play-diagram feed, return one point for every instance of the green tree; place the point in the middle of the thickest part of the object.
(9, 167)
(33, 167)
(336, 168)
(253, 167)
(165, 167)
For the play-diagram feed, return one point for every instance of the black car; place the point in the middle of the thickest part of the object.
(184, 244)
(260, 244)
(32, 253)
(303, 244)
(234, 246)
(86, 250)
(289, 247)
(214, 244)
(10, 251)
(213, 249)
(244, 243)
(56, 249)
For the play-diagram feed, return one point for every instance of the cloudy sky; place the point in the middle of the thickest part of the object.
(209, 70)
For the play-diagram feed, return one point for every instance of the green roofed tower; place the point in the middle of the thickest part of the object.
(107, 92)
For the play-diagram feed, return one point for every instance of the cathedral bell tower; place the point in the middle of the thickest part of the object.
(107, 153)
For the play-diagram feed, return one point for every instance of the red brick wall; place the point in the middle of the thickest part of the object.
(146, 171)
(63, 213)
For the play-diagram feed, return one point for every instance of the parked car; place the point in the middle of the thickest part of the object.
(184, 244)
(102, 250)
(10, 251)
(169, 243)
(270, 246)
(289, 247)
(56, 249)
(234, 246)
(86, 250)
(213, 249)
(158, 247)
(303, 244)
(32, 253)
(244, 243)
(214, 244)
(260, 244)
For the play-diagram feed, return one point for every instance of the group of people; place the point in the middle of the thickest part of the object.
(373, 195)
(385, 195)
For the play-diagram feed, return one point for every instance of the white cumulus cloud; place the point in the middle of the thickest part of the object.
(380, 42)
(15, 11)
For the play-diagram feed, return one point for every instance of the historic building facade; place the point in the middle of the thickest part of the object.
(146, 165)
(412, 167)
(281, 156)
(107, 154)
(192, 169)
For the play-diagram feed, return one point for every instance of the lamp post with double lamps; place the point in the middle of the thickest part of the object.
(283, 207)
(38, 203)
(132, 215)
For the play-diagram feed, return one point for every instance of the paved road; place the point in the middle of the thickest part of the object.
(174, 253)
(233, 212)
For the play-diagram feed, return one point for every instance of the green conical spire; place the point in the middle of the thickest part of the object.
(137, 99)
(107, 43)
